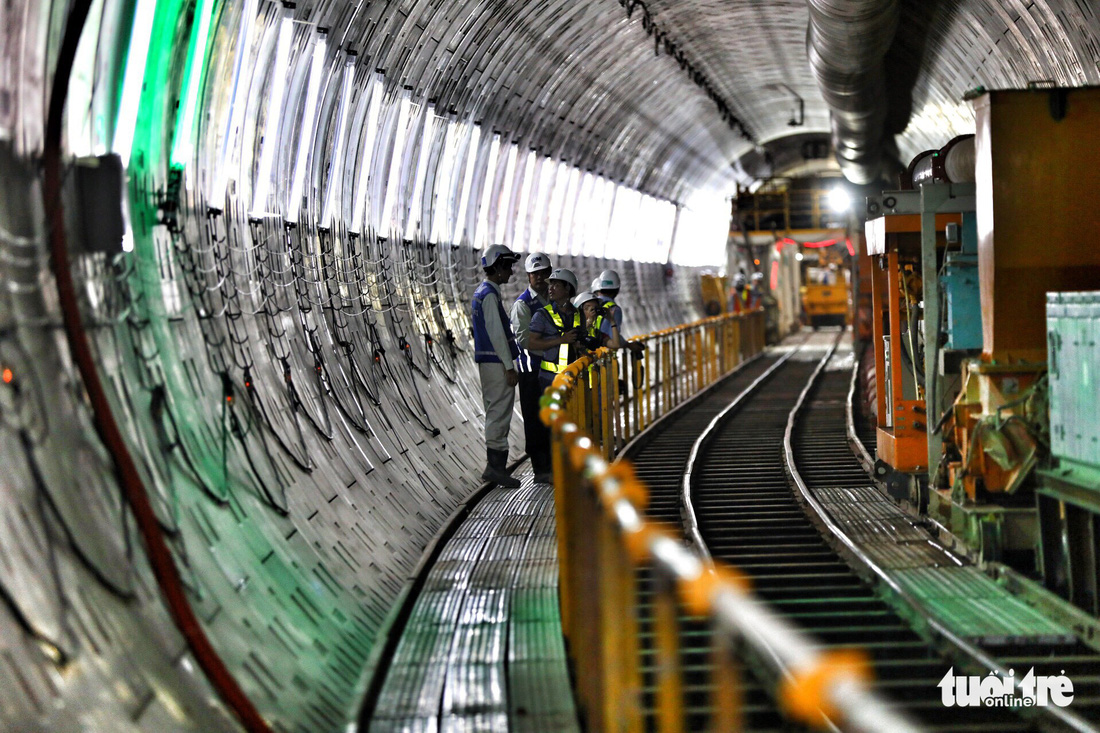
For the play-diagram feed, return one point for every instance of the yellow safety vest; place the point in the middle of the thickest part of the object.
(563, 350)
(593, 329)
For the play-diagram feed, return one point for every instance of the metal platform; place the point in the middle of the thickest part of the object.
(482, 649)
(948, 588)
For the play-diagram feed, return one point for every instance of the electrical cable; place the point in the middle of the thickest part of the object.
(160, 557)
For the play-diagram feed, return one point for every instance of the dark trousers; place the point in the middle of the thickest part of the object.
(536, 434)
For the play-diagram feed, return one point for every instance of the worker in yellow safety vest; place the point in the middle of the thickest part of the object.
(599, 326)
(740, 295)
(556, 328)
(606, 288)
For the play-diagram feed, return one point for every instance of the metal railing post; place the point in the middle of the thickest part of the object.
(726, 697)
(669, 670)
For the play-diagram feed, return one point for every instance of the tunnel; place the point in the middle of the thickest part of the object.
(239, 241)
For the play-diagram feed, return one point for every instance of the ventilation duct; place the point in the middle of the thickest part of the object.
(846, 42)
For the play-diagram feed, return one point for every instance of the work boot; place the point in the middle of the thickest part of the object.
(496, 469)
(542, 467)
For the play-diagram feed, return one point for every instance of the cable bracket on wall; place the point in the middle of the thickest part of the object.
(662, 39)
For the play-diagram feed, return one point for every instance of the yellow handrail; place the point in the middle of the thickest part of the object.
(604, 539)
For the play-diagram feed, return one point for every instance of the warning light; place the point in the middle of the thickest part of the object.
(229, 398)
(756, 262)
(8, 376)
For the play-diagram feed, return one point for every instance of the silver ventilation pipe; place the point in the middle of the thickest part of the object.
(846, 42)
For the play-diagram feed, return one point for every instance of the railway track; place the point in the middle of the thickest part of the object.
(742, 491)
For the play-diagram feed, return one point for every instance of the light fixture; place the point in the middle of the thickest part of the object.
(522, 213)
(507, 196)
(485, 202)
(569, 211)
(415, 218)
(275, 111)
(336, 164)
(467, 182)
(305, 135)
(441, 208)
(182, 147)
(141, 31)
(610, 197)
(373, 108)
(393, 181)
(798, 115)
(581, 213)
(540, 202)
(839, 200)
(236, 106)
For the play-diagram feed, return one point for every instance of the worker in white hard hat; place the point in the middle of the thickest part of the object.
(533, 299)
(495, 352)
(756, 290)
(556, 328)
(599, 326)
(606, 286)
(739, 295)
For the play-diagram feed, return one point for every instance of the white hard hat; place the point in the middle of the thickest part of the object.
(566, 276)
(739, 279)
(595, 285)
(758, 276)
(496, 253)
(584, 298)
(536, 261)
(608, 280)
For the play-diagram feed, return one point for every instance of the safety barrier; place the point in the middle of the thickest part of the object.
(677, 363)
(604, 539)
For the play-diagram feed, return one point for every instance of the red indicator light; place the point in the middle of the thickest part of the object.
(851, 249)
(8, 376)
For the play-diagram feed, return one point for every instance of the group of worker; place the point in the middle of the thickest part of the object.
(550, 325)
(745, 297)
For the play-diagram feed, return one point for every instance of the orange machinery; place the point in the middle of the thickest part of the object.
(894, 247)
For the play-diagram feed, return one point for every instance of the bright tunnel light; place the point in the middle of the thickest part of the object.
(236, 106)
(393, 182)
(305, 135)
(485, 202)
(141, 32)
(414, 221)
(336, 164)
(275, 111)
(839, 200)
(182, 147)
(467, 183)
(520, 237)
(374, 108)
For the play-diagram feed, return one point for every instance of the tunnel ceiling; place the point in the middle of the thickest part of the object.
(664, 95)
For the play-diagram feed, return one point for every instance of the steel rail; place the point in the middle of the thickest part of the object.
(812, 680)
(691, 519)
(1065, 719)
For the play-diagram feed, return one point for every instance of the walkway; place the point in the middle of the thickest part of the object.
(483, 648)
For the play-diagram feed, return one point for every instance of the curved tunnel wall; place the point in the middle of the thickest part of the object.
(301, 400)
(293, 543)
